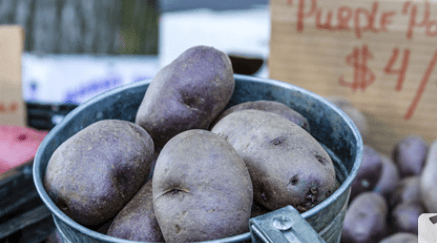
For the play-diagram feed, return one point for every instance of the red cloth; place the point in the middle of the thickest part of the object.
(18, 145)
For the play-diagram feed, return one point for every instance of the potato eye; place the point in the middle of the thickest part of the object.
(277, 141)
(62, 205)
(321, 159)
(175, 191)
(294, 180)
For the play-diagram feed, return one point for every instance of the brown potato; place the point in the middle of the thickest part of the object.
(287, 165)
(201, 188)
(137, 221)
(189, 93)
(94, 173)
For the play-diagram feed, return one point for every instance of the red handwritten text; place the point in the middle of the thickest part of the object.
(429, 25)
(8, 108)
(402, 69)
(359, 19)
(363, 76)
(421, 88)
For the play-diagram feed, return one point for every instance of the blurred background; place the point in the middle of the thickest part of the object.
(76, 49)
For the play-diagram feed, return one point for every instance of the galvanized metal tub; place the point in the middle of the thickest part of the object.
(329, 125)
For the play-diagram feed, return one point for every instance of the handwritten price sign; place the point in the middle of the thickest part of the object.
(381, 55)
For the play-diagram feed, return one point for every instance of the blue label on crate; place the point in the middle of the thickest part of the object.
(93, 87)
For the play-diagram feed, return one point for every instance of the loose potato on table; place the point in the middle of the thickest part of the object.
(287, 165)
(94, 173)
(410, 154)
(352, 112)
(366, 219)
(407, 191)
(201, 188)
(389, 179)
(369, 173)
(270, 106)
(428, 180)
(404, 217)
(401, 237)
(189, 93)
(137, 221)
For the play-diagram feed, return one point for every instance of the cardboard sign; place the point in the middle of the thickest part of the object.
(381, 55)
(12, 110)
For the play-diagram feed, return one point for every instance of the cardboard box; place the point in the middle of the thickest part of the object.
(12, 109)
(381, 55)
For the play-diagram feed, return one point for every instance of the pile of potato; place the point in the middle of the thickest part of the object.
(188, 169)
(390, 191)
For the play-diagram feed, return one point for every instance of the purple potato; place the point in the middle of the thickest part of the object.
(369, 172)
(137, 221)
(407, 191)
(258, 209)
(352, 112)
(404, 217)
(189, 93)
(366, 219)
(287, 165)
(201, 188)
(389, 178)
(95, 172)
(428, 180)
(400, 237)
(271, 106)
(409, 154)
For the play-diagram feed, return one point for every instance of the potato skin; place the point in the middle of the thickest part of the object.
(287, 165)
(189, 93)
(410, 155)
(369, 172)
(201, 188)
(401, 237)
(352, 112)
(366, 219)
(137, 221)
(428, 180)
(407, 191)
(389, 179)
(404, 217)
(258, 209)
(94, 173)
(271, 106)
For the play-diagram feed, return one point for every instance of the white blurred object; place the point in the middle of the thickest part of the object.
(243, 31)
(427, 228)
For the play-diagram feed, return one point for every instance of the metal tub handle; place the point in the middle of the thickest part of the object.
(284, 225)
